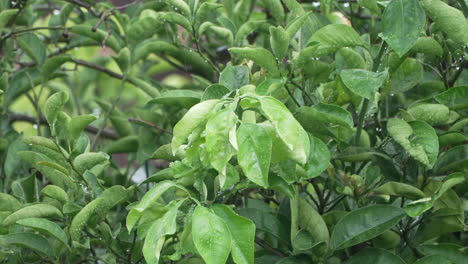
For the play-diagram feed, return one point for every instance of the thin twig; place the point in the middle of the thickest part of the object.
(266, 246)
(12, 33)
(146, 123)
(16, 117)
(86, 6)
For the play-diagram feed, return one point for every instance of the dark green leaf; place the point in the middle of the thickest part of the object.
(375, 256)
(364, 224)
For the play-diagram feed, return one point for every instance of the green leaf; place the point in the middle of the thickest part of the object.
(182, 98)
(319, 158)
(456, 98)
(163, 226)
(45, 226)
(180, 6)
(295, 25)
(52, 64)
(205, 9)
(364, 224)
(55, 192)
(195, 117)
(147, 200)
(243, 234)
(214, 91)
(449, 251)
(234, 77)
(434, 259)
(449, 19)
(348, 58)
(320, 119)
(8, 203)
(400, 189)
(375, 256)
(254, 153)
(33, 241)
(450, 181)
(250, 27)
(267, 222)
(288, 129)
(371, 5)
(218, 146)
(33, 211)
(259, 56)
(406, 76)
(311, 221)
(221, 32)
(7, 14)
(279, 40)
(33, 46)
(211, 236)
(123, 59)
(108, 199)
(125, 145)
(87, 161)
(276, 9)
(335, 36)
(402, 22)
(175, 18)
(433, 114)
(78, 124)
(53, 105)
(427, 45)
(417, 138)
(454, 159)
(363, 83)
(417, 208)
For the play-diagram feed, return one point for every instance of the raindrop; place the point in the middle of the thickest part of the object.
(56, 12)
(346, 4)
(316, 4)
(35, 126)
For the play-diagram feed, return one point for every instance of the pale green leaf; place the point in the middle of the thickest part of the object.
(234, 77)
(254, 153)
(260, 56)
(402, 22)
(220, 150)
(243, 233)
(417, 138)
(211, 236)
(449, 19)
(287, 128)
(163, 226)
(363, 83)
(33, 211)
(195, 117)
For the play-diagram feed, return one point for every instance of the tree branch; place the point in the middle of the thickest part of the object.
(14, 117)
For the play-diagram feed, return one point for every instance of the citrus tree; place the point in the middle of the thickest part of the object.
(233, 131)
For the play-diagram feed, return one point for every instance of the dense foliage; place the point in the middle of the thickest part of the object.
(233, 131)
